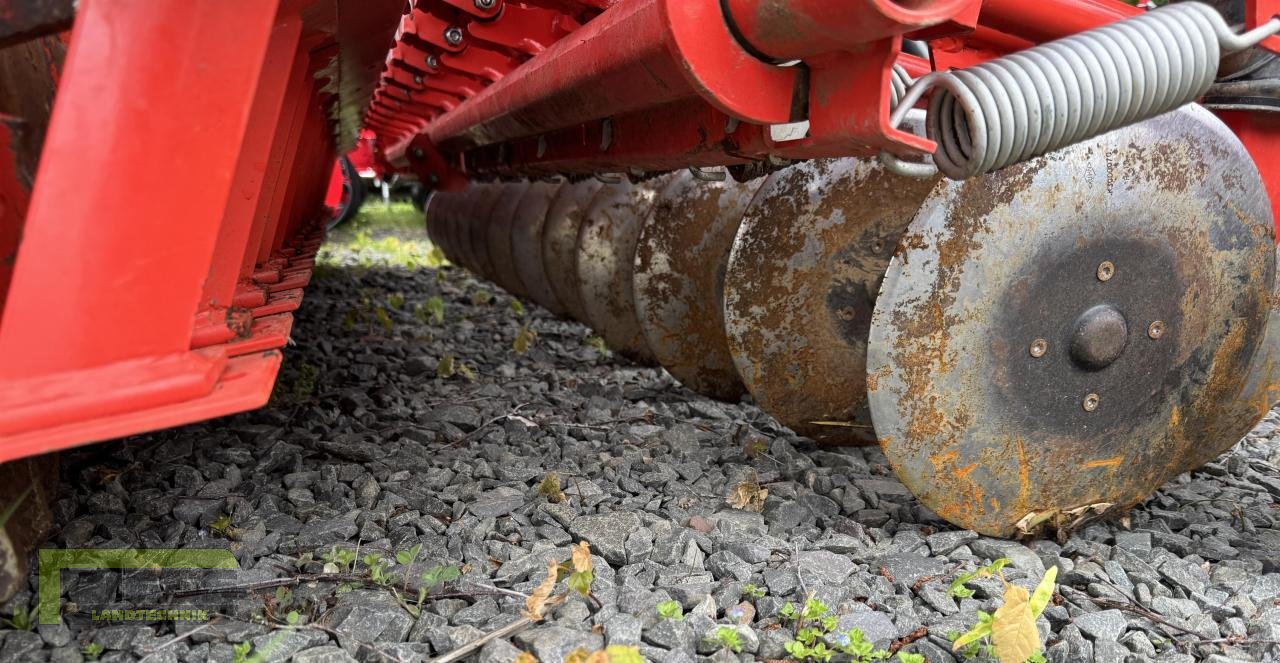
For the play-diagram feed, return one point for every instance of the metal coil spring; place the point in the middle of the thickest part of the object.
(1023, 105)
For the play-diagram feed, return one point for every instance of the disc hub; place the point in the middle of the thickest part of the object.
(1101, 335)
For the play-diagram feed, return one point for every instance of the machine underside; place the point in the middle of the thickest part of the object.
(1027, 248)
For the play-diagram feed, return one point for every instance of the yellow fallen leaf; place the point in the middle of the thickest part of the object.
(578, 655)
(1013, 630)
(541, 597)
(748, 496)
(526, 657)
(581, 557)
(599, 657)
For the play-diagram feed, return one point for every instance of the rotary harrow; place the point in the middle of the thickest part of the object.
(1026, 248)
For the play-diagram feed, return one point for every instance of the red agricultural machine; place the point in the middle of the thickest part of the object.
(1026, 247)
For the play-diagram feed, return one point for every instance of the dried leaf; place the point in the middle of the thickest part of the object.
(526, 657)
(578, 655)
(748, 496)
(582, 558)
(541, 598)
(582, 576)
(1013, 631)
(1044, 592)
(599, 657)
(466, 372)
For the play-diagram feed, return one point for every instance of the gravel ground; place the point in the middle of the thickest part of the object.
(364, 445)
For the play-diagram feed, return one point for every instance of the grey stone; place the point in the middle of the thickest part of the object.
(1018, 554)
(553, 643)
(942, 543)
(876, 627)
(282, 645)
(671, 634)
(325, 654)
(828, 567)
(607, 534)
(1102, 625)
(622, 629)
(497, 502)
(499, 651)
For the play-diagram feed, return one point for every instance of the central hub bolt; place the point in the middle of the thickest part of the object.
(1100, 337)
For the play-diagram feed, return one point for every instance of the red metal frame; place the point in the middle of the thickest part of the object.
(132, 307)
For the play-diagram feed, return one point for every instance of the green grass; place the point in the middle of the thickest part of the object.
(392, 235)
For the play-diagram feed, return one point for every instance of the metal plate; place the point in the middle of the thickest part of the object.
(1068, 332)
(499, 238)
(560, 243)
(460, 224)
(526, 244)
(606, 254)
(802, 279)
(680, 264)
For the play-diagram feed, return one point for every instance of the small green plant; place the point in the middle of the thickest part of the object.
(240, 653)
(222, 527)
(481, 297)
(972, 649)
(21, 619)
(524, 340)
(449, 366)
(384, 320)
(751, 591)
(1012, 629)
(670, 610)
(958, 588)
(430, 311)
(92, 651)
(379, 570)
(727, 638)
(597, 343)
(909, 657)
(395, 300)
(439, 575)
(339, 560)
(408, 555)
(815, 639)
(517, 308)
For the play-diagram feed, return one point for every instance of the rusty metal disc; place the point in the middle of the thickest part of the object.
(460, 224)
(499, 238)
(434, 218)
(477, 228)
(560, 243)
(526, 244)
(452, 210)
(606, 254)
(680, 263)
(1069, 333)
(802, 279)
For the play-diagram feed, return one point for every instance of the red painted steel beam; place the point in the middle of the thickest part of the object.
(109, 272)
(794, 29)
(1046, 20)
(225, 271)
(639, 54)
